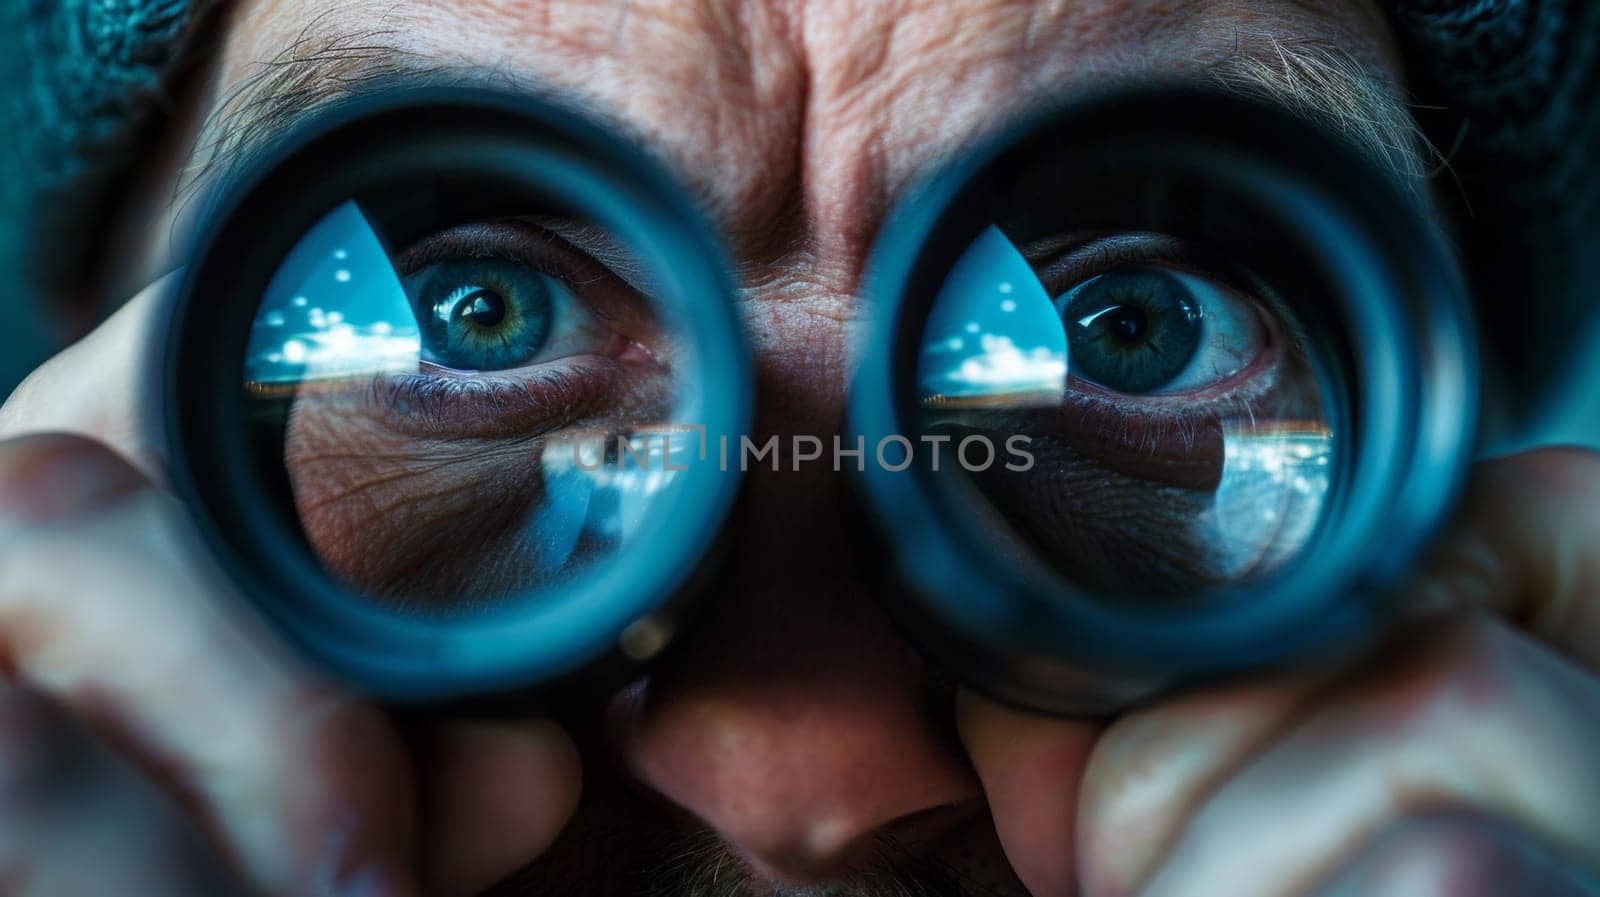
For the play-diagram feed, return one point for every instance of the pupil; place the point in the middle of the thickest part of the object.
(1127, 324)
(485, 308)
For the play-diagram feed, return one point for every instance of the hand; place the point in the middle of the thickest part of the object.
(154, 735)
(1463, 759)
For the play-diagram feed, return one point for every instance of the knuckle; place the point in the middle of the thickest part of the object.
(45, 477)
(1450, 673)
(1456, 855)
(38, 750)
(20, 408)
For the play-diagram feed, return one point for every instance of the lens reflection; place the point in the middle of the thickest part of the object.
(1172, 413)
(482, 411)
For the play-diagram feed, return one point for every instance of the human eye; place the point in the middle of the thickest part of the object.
(1166, 397)
(520, 332)
(504, 296)
(1152, 329)
(1156, 327)
(490, 314)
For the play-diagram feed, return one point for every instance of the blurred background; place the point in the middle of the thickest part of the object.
(1508, 91)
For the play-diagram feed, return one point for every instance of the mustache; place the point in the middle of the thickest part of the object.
(701, 864)
(704, 866)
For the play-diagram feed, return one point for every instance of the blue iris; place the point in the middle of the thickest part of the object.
(482, 314)
(1133, 329)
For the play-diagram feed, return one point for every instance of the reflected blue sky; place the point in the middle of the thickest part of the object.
(993, 330)
(336, 307)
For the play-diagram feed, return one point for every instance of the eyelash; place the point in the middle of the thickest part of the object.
(610, 297)
(541, 400)
(1143, 428)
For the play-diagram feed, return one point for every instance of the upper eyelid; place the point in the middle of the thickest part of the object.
(1082, 258)
(474, 240)
(618, 302)
(602, 246)
(1074, 259)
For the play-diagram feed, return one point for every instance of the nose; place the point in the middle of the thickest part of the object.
(805, 757)
(794, 721)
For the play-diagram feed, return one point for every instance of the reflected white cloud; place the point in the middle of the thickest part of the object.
(341, 350)
(993, 331)
(1003, 367)
(587, 495)
(335, 308)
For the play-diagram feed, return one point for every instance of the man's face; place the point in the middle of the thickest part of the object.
(795, 740)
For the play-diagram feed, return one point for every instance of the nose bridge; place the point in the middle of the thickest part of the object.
(800, 326)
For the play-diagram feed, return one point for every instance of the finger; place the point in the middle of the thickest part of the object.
(1528, 546)
(107, 605)
(76, 819)
(1526, 516)
(494, 797)
(1151, 765)
(1454, 855)
(1030, 767)
(102, 385)
(1470, 715)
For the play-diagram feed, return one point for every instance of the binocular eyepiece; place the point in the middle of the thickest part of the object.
(1162, 386)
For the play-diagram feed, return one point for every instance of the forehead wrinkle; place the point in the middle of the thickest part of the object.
(714, 87)
(796, 125)
(915, 84)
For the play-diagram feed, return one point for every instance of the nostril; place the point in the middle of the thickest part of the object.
(932, 824)
(830, 853)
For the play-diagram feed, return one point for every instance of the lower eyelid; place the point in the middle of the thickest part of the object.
(527, 403)
(1179, 443)
(1182, 450)
(1244, 387)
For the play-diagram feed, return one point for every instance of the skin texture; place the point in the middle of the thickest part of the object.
(795, 726)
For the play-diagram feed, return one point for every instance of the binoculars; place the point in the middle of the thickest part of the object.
(1161, 386)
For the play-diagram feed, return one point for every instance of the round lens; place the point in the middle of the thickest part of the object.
(1139, 410)
(1173, 385)
(445, 396)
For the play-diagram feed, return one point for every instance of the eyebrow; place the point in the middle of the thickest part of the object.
(320, 69)
(1327, 86)
(310, 73)
(1308, 77)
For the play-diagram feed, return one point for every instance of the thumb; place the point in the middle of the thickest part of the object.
(108, 607)
(495, 795)
(1031, 767)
